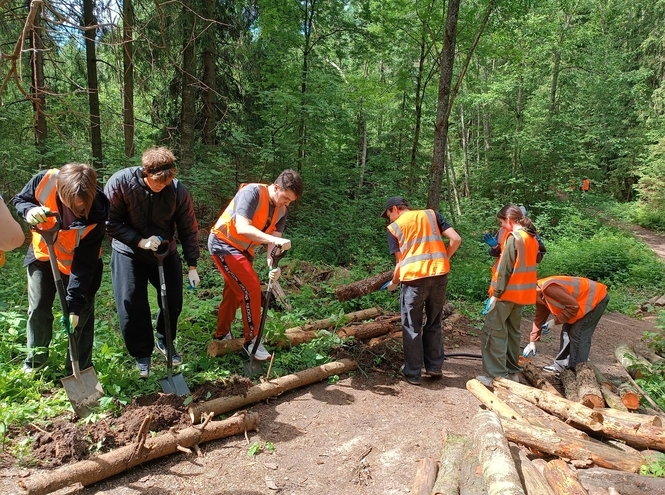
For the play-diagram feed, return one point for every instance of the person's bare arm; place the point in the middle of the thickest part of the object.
(11, 234)
(454, 241)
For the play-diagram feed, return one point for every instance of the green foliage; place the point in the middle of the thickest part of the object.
(258, 447)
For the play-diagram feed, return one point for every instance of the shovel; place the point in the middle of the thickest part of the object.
(254, 367)
(172, 384)
(82, 387)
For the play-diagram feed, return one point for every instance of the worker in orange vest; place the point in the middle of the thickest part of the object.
(586, 183)
(422, 263)
(512, 287)
(577, 303)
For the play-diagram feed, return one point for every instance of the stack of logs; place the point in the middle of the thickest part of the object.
(532, 440)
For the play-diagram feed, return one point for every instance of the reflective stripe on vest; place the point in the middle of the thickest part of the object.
(67, 240)
(423, 251)
(521, 287)
(586, 292)
(225, 227)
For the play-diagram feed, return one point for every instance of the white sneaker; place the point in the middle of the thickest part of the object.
(485, 380)
(260, 354)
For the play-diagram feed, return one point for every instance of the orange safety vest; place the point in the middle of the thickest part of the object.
(423, 251)
(521, 287)
(586, 292)
(585, 184)
(225, 227)
(67, 240)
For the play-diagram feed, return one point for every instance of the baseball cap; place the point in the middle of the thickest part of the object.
(394, 201)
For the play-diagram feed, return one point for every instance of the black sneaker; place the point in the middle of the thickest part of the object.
(434, 373)
(413, 380)
(176, 360)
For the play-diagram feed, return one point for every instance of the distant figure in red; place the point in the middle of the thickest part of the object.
(585, 185)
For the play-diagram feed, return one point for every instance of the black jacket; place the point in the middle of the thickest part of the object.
(138, 213)
(86, 275)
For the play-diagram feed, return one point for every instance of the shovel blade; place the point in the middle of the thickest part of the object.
(84, 392)
(253, 367)
(174, 385)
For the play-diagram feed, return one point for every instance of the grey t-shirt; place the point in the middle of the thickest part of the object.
(244, 204)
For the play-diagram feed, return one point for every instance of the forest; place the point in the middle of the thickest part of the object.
(459, 106)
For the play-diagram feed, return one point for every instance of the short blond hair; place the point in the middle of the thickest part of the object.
(77, 181)
(159, 163)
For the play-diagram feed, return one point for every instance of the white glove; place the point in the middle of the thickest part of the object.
(548, 325)
(193, 277)
(391, 287)
(529, 349)
(274, 274)
(152, 243)
(284, 244)
(73, 322)
(37, 215)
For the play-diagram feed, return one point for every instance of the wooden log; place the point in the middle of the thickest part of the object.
(608, 390)
(362, 315)
(472, 481)
(660, 301)
(621, 482)
(492, 402)
(425, 476)
(569, 447)
(366, 331)
(280, 296)
(588, 388)
(631, 417)
(532, 479)
(570, 386)
(499, 470)
(271, 389)
(536, 416)
(448, 478)
(118, 460)
(536, 378)
(641, 436)
(565, 409)
(644, 352)
(562, 479)
(629, 396)
(363, 287)
(627, 357)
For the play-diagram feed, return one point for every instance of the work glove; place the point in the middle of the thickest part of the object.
(489, 304)
(490, 240)
(284, 244)
(37, 215)
(529, 349)
(194, 279)
(151, 243)
(274, 274)
(391, 287)
(547, 326)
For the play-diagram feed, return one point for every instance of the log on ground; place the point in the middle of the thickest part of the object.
(629, 396)
(536, 378)
(632, 418)
(448, 478)
(570, 386)
(271, 388)
(587, 386)
(103, 466)
(562, 479)
(608, 390)
(623, 483)
(532, 479)
(472, 481)
(425, 476)
(499, 470)
(628, 358)
(493, 402)
(363, 287)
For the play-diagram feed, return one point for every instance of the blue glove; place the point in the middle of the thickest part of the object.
(488, 303)
(385, 286)
(490, 240)
(547, 326)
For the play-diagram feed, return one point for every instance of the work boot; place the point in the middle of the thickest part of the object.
(413, 380)
(176, 360)
(434, 373)
(143, 365)
(260, 355)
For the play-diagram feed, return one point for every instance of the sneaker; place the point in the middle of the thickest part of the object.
(227, 336)
(413, 380)
(143, 365)
(176, 360)
(260, 355)
(434, 373)
(30, 369)
(552, 368)
(485, 380)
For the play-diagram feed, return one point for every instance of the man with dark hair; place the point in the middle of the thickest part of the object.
(73, 192)
(148, 205)
(256, 215)
(422, 266)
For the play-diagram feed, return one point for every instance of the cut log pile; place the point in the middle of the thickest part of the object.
(531, 440)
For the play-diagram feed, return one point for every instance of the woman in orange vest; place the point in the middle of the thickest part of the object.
(512, 287)
(255, 216)
(577, 303)
(422, 266)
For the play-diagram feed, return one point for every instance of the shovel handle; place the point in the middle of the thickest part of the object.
(162, 251)
(277, 253)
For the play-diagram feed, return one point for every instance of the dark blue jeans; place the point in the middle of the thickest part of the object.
(423, 343)
(130, 289)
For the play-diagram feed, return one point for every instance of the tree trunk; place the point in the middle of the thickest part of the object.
(90, 34)
(627, 356)
(271, 388)
(361, 315)
(645, 354)
(465, 151)
(362, 147)
(499, 470)
(563, 479)
(443, 108)
(588, 389)
(492, 402)
(629, 397)
(472, 481)
(425, 476)
(630, 417)
(103, 466)
(37, 95)
(453, 181)
(569, 447)
(518, 128)
(363, 287)
(188, 90)
(570, 385)
(607, 389)
(536, 378)
(209, 60)
(128, 76)
(448, 478)
(418, 110)
(623, 483)
(532, 479)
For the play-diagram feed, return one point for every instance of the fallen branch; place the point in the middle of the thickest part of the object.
(363, 287)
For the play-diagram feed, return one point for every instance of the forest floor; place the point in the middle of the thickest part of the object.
(362, 435)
